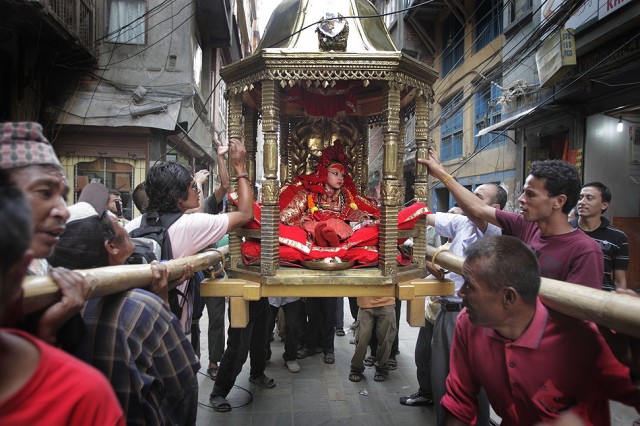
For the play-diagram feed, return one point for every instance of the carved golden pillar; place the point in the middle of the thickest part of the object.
(284, 149)
(235, 127)
(270, 255)
(402, 131)
(422, 144)
(250, 142)
(421, 185)
(364, 174)
(391, 188)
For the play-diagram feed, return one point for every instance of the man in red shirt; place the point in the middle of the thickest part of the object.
(534, 363)
(40, 385)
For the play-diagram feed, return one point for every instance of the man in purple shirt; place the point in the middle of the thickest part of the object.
(549, 193)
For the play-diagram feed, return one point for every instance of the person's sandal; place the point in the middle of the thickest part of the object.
(263, 381)
(381, 376)
(329, 358)
(392, 364)
(369, 361)
(220, 404)
(355, 376)
(340, 332)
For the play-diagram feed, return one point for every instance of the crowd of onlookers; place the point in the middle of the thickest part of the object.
(127, 357)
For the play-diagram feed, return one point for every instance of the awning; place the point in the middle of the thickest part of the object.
(504, 124)
(117, 110)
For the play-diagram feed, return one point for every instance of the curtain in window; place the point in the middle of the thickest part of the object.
(127, 23)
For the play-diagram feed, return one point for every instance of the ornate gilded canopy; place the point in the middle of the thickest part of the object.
(323, 71)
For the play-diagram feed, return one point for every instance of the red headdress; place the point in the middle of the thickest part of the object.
(316, 182)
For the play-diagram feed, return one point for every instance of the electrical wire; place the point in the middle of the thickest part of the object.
(544, 102)
(497, 71)
(185, 134)
(143, 19)
(232, 407)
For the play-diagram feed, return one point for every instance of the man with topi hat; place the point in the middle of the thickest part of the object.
(28, 161)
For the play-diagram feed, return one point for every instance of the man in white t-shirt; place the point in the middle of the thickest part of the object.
(171, 188)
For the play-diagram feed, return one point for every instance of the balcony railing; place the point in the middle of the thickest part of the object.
(77, 16)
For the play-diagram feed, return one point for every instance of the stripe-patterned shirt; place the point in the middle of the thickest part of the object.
(615, 248)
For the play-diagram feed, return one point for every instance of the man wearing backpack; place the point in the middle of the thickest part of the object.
(172, 190)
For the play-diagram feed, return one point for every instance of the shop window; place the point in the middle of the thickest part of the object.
(451, 128)
(117, 176)
(487, 112)
(126, 21)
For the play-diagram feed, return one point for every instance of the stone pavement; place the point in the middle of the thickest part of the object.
(321, 394)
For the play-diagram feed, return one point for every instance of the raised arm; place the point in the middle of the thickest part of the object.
(222, 172)
(200, 178)
(467, 200)
(244, 214)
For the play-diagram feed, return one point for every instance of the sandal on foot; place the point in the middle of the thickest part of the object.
(220, 403)
(212, 372)
(355, 376)
(392, 364)
(263, 381)
(381, 376)
(340, 332)
(329, 358)
(369, 361)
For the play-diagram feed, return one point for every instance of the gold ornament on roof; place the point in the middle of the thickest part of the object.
(333, 32)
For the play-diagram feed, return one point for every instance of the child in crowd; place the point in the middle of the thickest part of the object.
(379, 312)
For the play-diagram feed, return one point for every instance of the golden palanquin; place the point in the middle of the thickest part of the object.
(309, 85)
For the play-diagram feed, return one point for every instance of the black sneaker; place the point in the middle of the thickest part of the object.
(416, 399)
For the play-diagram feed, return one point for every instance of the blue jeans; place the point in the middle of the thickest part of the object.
(240, 342)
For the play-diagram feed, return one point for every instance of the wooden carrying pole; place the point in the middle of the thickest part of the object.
(620, 312)
(41, 291)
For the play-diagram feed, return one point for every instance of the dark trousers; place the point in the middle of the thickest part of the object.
(240, 343)
(423, 359)
(292, 319)
(321, 313)
(353, 307)
(339, 312)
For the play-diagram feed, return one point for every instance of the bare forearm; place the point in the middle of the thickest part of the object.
(469, 202)
(223, 172)
(245, 198)
(620, 278)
